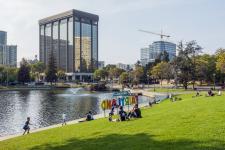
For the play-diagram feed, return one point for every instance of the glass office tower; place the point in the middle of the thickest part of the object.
(72, 38)
(3, 38)
(159, 46)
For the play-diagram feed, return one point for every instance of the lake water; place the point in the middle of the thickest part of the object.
(45, 107)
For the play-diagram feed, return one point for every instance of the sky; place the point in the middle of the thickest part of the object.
(119, 22)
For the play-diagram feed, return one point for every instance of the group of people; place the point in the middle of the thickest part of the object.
(210, 93)
(123, 115)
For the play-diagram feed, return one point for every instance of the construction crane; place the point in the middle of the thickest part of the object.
(161, 35)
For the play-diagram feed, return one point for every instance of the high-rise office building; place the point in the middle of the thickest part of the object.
(149, 54)
(3, 38)
(72, 38)
(8, 53)
(160, 46)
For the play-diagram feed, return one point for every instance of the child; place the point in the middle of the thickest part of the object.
(64, 119)
(26, 126)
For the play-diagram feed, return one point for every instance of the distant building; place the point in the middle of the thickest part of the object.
(101, 64)
(72, 38)
(160, 46)
(8, 53)
(3, 38)
(121, 66)
(33, 61)
(149, 54)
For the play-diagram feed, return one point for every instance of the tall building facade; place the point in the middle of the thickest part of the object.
(3, 38)
(8, 53)
(160, 46)
(149, 54)
(72, 39)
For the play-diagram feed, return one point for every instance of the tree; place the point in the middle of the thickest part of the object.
(220, 63)
(185, 62)
(51, 70)
(205, 68)
(115, 73)
(162, 71)
(61, 75)
(24, 72)
(124, 78)
(137, 73)
(100, 74)
(37, 68)
(163, 56)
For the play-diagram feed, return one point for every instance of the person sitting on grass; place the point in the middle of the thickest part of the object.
(219, 93)
(135, 112)
(111, 113)
(26, 127)
(197, 94)
(89, 116)
(210, 93)
(122, 114)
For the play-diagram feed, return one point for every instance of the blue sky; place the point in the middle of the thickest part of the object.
(119, 39)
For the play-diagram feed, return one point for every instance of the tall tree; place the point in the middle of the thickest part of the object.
(220, 63)
(162, 71)
(24, 72)
(137, 73)
(186, 62)
(51, 70)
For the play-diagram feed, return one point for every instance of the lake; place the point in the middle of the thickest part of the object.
(45, 107)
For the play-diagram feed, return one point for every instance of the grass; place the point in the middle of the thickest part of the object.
(189, 124)
(165, 90)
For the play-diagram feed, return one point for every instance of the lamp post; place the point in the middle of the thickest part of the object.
(148, 80)
(214, 78)
(154, 83)
(7, 76)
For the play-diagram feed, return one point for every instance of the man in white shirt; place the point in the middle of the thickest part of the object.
(64, 119)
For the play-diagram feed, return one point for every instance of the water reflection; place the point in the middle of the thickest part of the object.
(44, 107)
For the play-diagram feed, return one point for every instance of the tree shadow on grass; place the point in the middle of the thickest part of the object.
(131, 142)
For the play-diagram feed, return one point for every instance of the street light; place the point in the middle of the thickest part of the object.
(154, 83)
(214, 78)
(148, 80)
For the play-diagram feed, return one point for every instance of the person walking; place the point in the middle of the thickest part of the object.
(64, 119)
(26, 127)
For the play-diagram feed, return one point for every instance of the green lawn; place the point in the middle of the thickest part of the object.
(165, 90)
(188, 124)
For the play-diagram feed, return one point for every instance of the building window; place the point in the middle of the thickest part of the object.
(95, 46)
(48, 42)
(77, 47)
(55, 42)
(63, 45)
(42, 43)
(70, 45)
(86, 48)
